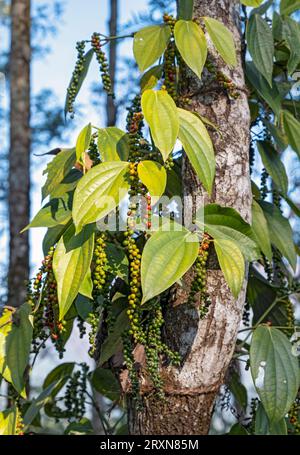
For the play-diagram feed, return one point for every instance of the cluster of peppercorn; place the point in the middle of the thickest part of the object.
(170, 73)
(225, 81)
(99, 278)
(198, 292)
(102, 60)
(44, 303)
(79, 67)
(75, 394)
(294, 417)
(93, 151)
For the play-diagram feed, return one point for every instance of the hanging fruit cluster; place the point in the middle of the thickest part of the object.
(103, 64)
(79, 67)
(44, 301)
(199, 294)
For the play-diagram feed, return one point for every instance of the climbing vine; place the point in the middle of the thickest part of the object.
(115, 244)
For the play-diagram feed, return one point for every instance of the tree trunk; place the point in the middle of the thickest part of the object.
(111, 108)
(206, 346)
(19, 155)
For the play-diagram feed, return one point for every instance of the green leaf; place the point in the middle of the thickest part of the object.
(38, 403)
(57, 170)
(198, 147)
(161, 114)
(113, 343)
(99, 192)
(67, 185)
(260, 85)
(83, 427)
(185, 9)
(18, 343)
(167, 256)
(226, 223)
(275, 371)
(262, 425)
(8, 422)
(280, 138)
(83, 141)
(253, 3)
(150, 79)
(222, 39)
(238, 390)
(71, 261)
(56, 211)
(52, 236)
(113, 144)
(58, 376)
(153, 175)
(261, 295)
(288, 7)
(86, 287)
(191, 43)
(263, 8)
(292, 130)
(291, 33)
(106, 383)
(281, 233)
(261, 231)
(261, 45)
(292, 205)
(232, 264)
(86, 63)
(84, 306)
(149, 44)
(117, 261)
(274, 166)
(238, 429)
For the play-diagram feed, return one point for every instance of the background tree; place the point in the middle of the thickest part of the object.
(19, 155)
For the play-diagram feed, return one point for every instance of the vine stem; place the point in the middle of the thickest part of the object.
(98, 410)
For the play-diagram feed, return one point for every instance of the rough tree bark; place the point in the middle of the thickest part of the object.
(111, 108)
(206, 346)
(19, 155)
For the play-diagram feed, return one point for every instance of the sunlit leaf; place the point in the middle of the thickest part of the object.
(191, 43)
(161, 114)
(198, 146)
(261, 231)
(167, 256)
(232, 264)
(99, 192)
(149, 44)
(222, 39)
(113, 144)
(153, 175)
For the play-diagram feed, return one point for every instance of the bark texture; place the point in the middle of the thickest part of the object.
(19, 155)
(206, 346)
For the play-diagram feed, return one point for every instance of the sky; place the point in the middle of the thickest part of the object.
(79, 21)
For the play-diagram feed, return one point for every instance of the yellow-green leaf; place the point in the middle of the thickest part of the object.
(71, 262)
(153, 175)
(191, 43)
(149, 44)
(8, 422)
(57, 170)
(161, 114)
(113, 144)
(83, 141)
(99, 192)
(167, 256)
(232, 264)
(151, 77)
(222, 39)
(253, 3)
(260, 230)
(86, 287)
(198, 147)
